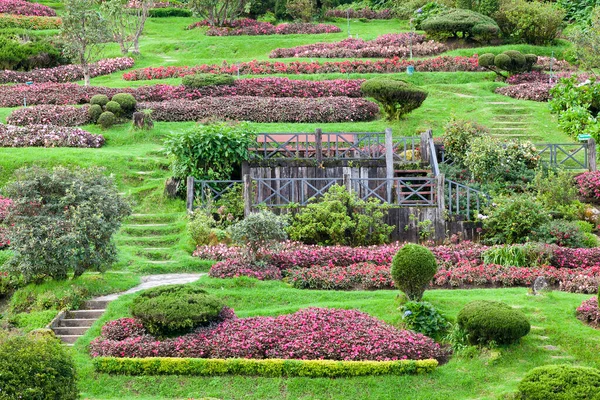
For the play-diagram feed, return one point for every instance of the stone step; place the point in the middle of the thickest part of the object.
(70, 339)
(71, 331)
(507, 129)
(84, 314)
(160, 261)
(81, 322)
(155, 248)
(146, 225)
(94, 305)
(511, 122)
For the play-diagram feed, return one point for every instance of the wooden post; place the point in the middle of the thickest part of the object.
(347, 182)
(247, 194)
(425, 147)
(591, 154)
(389, 163)
(440, 228)
(190, 193)
(319, 144)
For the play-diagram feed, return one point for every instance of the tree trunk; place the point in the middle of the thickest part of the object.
(85, 67)
(136, 45)
(124, 49)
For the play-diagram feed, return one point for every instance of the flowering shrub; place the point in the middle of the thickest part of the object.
(232, 268)
(391, 45)
(5, 204)
(364, 13)
(254, 28)
(71, 93)
(389, 65)
(123, 328)
(263, 109)
(47, 136)
(66, 73)
(588, 184)
(48, 114)
(537, 91)
(363, 276)
(309, 334)
(589, 312)
(29, 22)
(21, 7)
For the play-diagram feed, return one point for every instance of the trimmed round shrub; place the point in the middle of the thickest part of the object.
(413, 267)
(491, 321)
(126, 101)
(113, 107)
(99, 99)
(197, 81)
(36, 366)
(397, 97)
(175, 309)
(106, 119)
(94, 111)
(560, 382)
(486, 60)
(469, 24)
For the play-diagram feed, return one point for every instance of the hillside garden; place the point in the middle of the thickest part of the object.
(107, 108)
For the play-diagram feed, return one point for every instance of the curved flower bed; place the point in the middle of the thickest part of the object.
(252, 27)
(588, 184)
(535, 85)
(66, 73)
(71, 93)
(29, 22)
(389, 65)
(22, 7)
(49, 115)
(363, 13)
(589, 313)
(309, 334)
(47, 136)
(385, 46)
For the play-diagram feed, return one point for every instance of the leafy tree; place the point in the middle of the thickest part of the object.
(63, 220)
(84, 32)
(219, 12)
(126, 24)
(301, 9)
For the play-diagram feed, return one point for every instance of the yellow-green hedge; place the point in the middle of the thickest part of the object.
(268, 368)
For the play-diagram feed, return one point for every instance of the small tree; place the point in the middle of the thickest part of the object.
(301, 9)
(63, 220)
(84, 32)
(508, 63)
(219, 12)
(258, 231)
(126, 24)
(413, 267)
(397, 97)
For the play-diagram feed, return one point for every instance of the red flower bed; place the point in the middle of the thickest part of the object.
(589, 312)
(255, 28)
(49, 115)
(71, 93)
(264, 109)
(66, 73)
(47, 136)
(536, 91)
(386, 46)
(22, 7)
(389, 65)
(309, 334)
(235, 267)
(364, 13)
(588, 184)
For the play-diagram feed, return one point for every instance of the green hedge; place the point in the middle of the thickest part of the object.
(169, 12)
(267, 368)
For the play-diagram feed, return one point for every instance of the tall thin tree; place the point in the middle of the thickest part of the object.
(126, 24)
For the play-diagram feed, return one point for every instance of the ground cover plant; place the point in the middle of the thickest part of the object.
(29, 22)
(47, 136)
(362, 13)
(21, 7)
(253, 28)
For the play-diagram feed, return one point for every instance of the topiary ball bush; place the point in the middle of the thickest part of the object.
(197, 81)
(113, 107)
(486, 321)
(36, 366)
(560, 382)
(126, 101)
(99, 99)
(486, 60)
(106, 119)
(397, 97)
(176, 309)
(455, 21)
(413, 267)
(94, 111)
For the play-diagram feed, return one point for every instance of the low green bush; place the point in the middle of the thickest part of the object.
(511, 61)
(175, 309)
(259, 230)
(397, 97)
(560, 382)
(113, 107)
(26, 53)
(107, 119)
(530, 22)
(562, 233)
(94, 111)
(99, 99)
(413, 267)
(526, 255)
(169, 12)
(126, 101)
(201, 80)
(267, 368)
(200, 225)
(422, 317)
(458, 135)
(36, 366)
(491, 321)
(469, 24)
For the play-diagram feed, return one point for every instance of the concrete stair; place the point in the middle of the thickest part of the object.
(71, 325)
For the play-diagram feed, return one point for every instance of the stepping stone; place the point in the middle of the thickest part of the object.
(155, 248)
(465, 95)
(507, 129)
(146, 225)
(510, 122)
(550, 347)
(498, 102)
(543, 337)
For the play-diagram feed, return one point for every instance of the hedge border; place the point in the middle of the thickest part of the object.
(259, 367)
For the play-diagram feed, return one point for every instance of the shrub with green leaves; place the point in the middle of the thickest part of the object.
(422, 317)
(397, 97)
(511, 61)
(94, 111)
(586, 37)
(517, 255)
(491, 321)
(458, 135)
(530, 22)
(428, 10)
(126, 101)
(198, 81)
(36, 366)
(562, 233)
(113, 107)
(175, 309)
(211, 152)
(107, 119)
(200, 225)
(466, 23)
(63, 221)
(413, 267)
(99, 99)
(557, 191)
(577, 106)
(259, 230)
(340, 217)
(560, 382)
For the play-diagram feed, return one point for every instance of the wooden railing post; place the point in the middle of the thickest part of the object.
(247, 180)
(425, 147)
(591, 154)
(389, 162)
(440, 228)
(347, 182)
(190, 193)
(319, 144)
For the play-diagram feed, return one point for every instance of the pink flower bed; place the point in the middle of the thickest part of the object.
(588, 184)
(49, 115)
(5, 204)
(22, 7)
(71, 93)
(589, 312)
(364, 13)
(309, 334)
(264, 109)
(66, 73)
(235, 267)
(47, 136)
(255, 28)
(386, 46)
(537, 91)
(388, 65)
